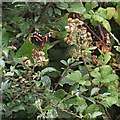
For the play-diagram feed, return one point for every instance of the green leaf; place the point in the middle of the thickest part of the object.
(107, 57)
(95, 73)
(87, 16)
(92, 99)
(50, 11)
(46, 47)
(106, 25)
(57, 11)
(94, 90)
(98, 18)
(92, 48)
(110, 12)
(48, 69)
(117, 48)
(96, 114)
(52, 113)
(116, 15)
(111, 100)
(105, 70)
(81, 102)
(18, 1)
(64, 62)
(2, 64)
(96, 81)
(101, 12)
(92, 108)
(18, 108)
(62, 6)
(5, 37)
(5, 85)
(25, 50)
(110, 78)
(49, 107)
(75, 76)
(66, 81)
(60, 93)
(74, 87)
(71, 101)
(77, 8)
(46, 81)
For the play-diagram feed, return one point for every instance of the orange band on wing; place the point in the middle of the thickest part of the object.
(38, 38)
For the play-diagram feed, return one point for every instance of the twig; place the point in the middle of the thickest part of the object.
(84, 61)
(101, 32)
(18, 96)
(22, 92)
(93, 33)
(62, 76)
(55, 106)
(91, 30)
(39, 19)
(115, 38)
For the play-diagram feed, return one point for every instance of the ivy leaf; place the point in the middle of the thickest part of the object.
(106, 25)
(94, 90)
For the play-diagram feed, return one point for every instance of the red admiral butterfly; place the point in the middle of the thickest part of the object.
(38, 40)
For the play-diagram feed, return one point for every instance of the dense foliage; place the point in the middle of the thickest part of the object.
(75, 74)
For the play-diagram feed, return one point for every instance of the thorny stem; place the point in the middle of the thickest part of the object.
(101, 32)
(22, 92)
(91, 30)
(109, 117)
(94, 33)
(57, 107)
(62, 76)
(84, 61)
